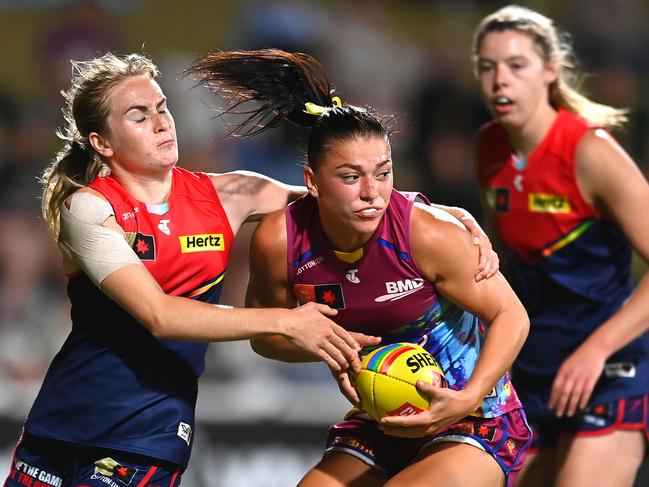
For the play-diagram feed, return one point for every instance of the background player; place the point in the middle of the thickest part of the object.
(566, 200)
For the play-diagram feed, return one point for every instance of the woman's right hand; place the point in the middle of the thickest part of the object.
(309, 328)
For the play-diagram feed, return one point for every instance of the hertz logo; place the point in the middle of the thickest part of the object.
(201, 243)
(548, 203)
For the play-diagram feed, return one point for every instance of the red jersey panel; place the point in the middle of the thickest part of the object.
(536, 202)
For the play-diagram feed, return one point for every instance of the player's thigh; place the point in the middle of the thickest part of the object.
(538, 470)
(338, 469)
(451, 465)
(613, 459)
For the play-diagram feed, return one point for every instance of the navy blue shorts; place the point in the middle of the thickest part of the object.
(631, 413)
(40, 462)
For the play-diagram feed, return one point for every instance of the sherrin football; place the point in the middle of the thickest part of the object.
(386, 382)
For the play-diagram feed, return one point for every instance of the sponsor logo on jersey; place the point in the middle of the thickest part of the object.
(144, 246)
(352, 276)
(127, 215)
(26, 474)
(107, 467)
(184, 432)
(400, 289)
(518, 183)
(329, 294)
(163, 226)
(205, 242)
(309, 264)
(548, 203)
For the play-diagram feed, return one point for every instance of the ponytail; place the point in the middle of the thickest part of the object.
(284, 87)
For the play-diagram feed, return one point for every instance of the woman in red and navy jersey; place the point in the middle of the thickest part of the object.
(567, 203)
(145, 245)
(392, 266)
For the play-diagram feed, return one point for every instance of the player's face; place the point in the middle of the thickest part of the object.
(141, 135)
(514, 78)
(353, 184)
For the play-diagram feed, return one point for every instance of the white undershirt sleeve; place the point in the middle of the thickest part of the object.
(97, 249)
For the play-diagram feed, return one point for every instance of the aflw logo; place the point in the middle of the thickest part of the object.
(201, 243)
(400, 289)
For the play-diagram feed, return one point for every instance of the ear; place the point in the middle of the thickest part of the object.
(101, 144)
(309, 182)
(551, 72)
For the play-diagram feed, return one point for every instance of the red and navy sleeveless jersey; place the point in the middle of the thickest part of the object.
(113, 385)
(383, 293)
(571, 267)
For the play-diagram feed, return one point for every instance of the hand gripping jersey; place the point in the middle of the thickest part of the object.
(571, 267)
(112, 384)
(384, 294)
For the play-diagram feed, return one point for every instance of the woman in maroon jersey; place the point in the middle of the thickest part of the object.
(567, 203)
(393, 267)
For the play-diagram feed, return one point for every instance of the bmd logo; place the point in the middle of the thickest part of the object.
(400, 289)
(201, 243)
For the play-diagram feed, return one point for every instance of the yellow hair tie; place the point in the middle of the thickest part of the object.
(317, 110)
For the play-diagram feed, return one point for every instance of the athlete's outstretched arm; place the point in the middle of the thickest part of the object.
(445, 255)
(94, 243)
(611, 181)
(247, 196)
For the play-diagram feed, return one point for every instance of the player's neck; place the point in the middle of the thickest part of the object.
(147, 189)
(528, 137)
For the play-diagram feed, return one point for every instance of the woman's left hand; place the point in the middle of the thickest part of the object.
(574, 383)
(446, 407)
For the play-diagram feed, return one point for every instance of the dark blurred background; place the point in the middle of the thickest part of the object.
(261, 423)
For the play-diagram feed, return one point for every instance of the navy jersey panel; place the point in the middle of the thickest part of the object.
(138, 389)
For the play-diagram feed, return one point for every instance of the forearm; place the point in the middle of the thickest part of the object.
(627, 324)
(503, 341)
(178, 318)
(188, 320)
(279, 348)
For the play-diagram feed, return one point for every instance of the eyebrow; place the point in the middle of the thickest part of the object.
(144, 108)
(510, 58)
(357, 167)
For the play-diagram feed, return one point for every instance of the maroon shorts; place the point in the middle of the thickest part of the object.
(506, 438)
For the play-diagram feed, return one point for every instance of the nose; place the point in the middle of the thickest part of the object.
(369, 190)
(500, 76)
(161, 123)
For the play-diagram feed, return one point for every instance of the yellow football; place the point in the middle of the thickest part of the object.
(386, 382)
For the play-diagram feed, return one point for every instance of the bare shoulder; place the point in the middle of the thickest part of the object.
(438, 240)
(597, 143)
(434, 223)
(270, 234)
(602, 166)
